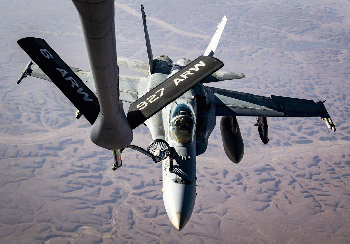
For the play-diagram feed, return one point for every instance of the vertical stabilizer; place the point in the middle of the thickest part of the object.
(216, 38)
(148, 43)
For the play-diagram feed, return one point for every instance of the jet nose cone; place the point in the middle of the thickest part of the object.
(179, 221)
(179, 201)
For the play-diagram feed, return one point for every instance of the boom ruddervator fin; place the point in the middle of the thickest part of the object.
(62, 76)
(172, 88)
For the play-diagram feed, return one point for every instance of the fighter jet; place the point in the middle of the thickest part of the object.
(171, 98)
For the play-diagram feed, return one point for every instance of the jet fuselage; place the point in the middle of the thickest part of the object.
(177, 125)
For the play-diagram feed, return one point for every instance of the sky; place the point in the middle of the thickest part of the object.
(56, 186)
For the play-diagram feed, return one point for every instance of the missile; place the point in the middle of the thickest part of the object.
(27, 71)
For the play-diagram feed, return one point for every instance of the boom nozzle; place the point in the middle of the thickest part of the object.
(111, 129)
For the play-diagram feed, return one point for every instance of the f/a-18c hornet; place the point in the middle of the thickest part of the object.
(173, 101)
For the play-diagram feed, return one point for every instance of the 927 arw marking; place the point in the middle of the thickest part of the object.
(187, 73)
(151, 99)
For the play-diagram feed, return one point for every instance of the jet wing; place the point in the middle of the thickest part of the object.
(233, 103)
(131, 87)
(136, 65)
(61, 75)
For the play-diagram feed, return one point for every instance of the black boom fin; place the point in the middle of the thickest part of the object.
(62, 76)
(172, 88)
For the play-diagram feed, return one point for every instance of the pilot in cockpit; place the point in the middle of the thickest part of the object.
(182, 126)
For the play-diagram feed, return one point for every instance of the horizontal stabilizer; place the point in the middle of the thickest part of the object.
(62, 76)
(136, 65)
(223, 75)
(172, 88)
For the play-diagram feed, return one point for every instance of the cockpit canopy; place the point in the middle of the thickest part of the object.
(165, 59)
(179, 65)
(182, 124)
(162, 64)
(183, 62)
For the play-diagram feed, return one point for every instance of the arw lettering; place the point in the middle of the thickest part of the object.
(190, 72)
(74, 83)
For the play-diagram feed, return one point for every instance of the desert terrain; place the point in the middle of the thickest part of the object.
(56, 186)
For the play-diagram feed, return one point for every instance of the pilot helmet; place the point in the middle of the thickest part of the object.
(182, 124)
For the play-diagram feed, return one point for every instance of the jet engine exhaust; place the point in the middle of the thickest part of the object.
(232, 138)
